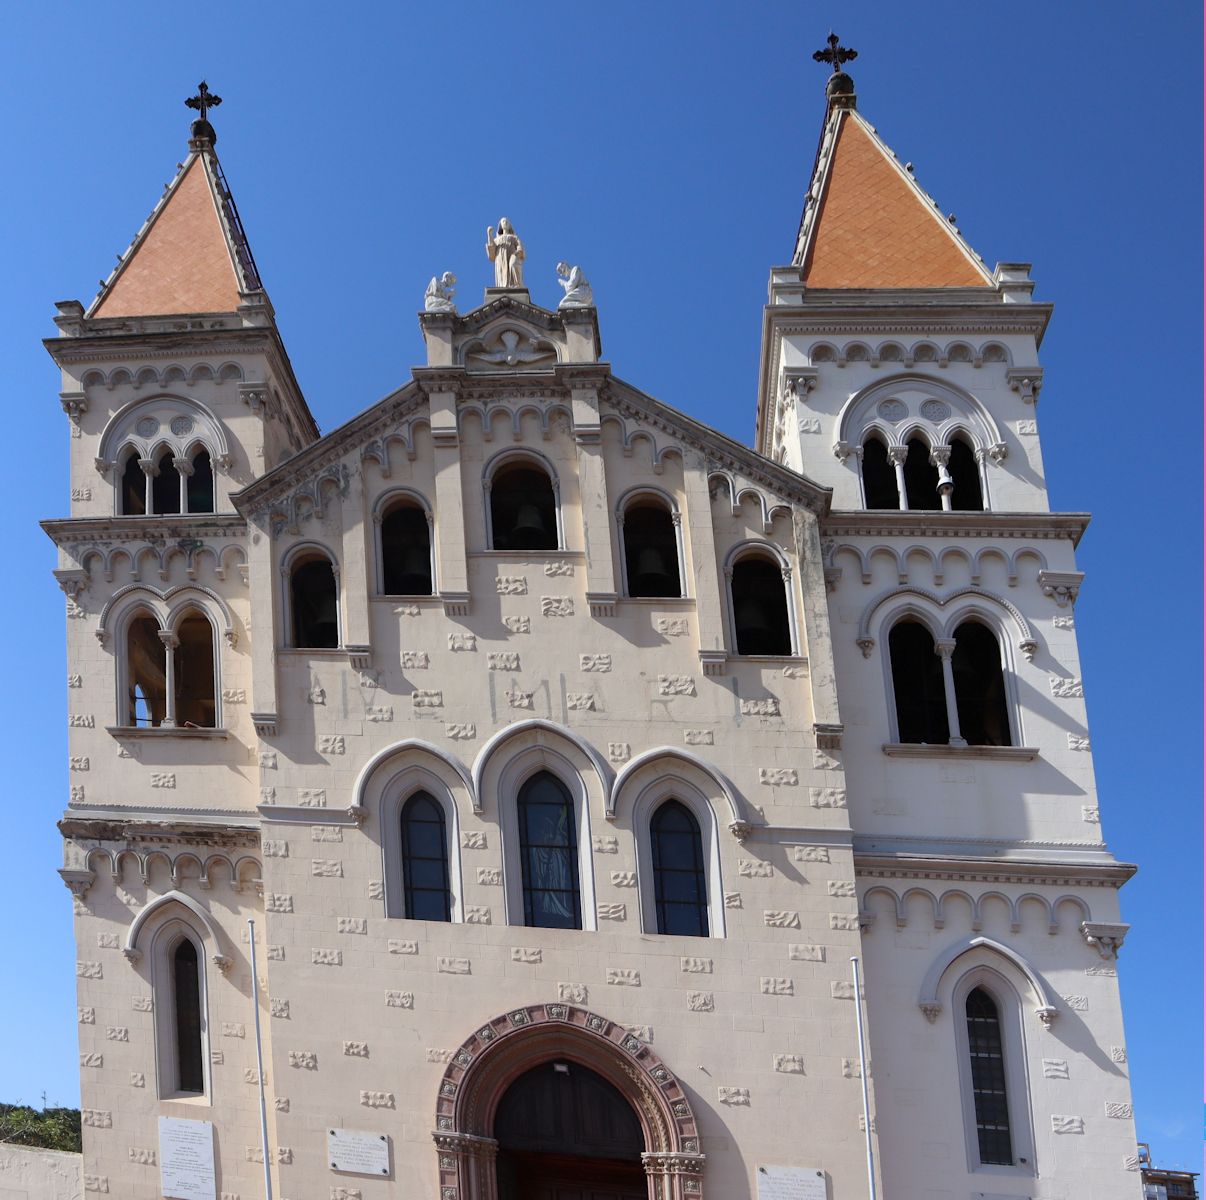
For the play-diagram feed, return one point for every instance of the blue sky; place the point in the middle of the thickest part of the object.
(666, 148)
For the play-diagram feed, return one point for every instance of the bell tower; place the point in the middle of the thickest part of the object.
(901, 372)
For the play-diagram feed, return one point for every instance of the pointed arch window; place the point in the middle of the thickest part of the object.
(761, 619)
(133, 487)
(165, 486)
(428, 894)
(406, 550)
(980, 686)
(966, 495)
(921, 478)
(917, 685)
(651, 554)
(880, 489)
(314, 601)
(146, 674)
(523, 508)
(196, 693)
(187, 1024)
(986, 1054)
(548, 847)
(679, 879)
(199, 485)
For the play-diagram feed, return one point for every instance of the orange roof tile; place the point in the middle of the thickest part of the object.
(182, 264)
(875, 230)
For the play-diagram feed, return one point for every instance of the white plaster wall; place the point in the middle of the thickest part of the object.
(33, 1174)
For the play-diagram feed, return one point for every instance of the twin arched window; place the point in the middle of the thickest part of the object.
(918, 478)
(548, 861)
(170, 677)
(167, 484)
(950, 691)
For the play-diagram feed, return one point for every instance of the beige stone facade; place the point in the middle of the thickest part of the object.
(825, 834)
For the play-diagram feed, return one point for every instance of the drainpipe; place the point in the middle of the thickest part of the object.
(862, 1067)
(259, 1062)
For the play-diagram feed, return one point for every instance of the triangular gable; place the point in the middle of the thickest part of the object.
(871, 226)
(181, 261)
(388, 415)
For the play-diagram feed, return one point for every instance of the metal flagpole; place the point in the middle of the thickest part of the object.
(259, 1062)
(862, 1068)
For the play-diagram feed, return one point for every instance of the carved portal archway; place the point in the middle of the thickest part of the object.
(505, 1047)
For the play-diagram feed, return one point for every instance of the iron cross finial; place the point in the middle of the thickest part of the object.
(204, 100)
(836, 54)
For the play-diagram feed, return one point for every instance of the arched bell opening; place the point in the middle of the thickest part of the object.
(554, 1102)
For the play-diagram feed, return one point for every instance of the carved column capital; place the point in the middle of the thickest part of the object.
(944, 648)
(897, 455)
(149, 467)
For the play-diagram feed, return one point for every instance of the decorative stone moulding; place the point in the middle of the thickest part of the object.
(829, 736)
(1047, 1008)
(73, 580)
(713, 661)
(265, 724)
(1105, 937)
(1026, 381)
(602, 604)
(509, 1044)
(1061, 586)
(360, 658)
(456, 604)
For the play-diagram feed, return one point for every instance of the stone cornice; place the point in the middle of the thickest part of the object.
(330, 448)
(721, 451)
(848, 523)
(142, 344)
(1012, 870)
(133, 830)
(74, 530)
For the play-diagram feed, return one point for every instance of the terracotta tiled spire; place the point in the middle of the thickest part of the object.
(191, 255)
(867, 223)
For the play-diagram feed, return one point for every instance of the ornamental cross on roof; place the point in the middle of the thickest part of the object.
(836, 54)
(204, 100)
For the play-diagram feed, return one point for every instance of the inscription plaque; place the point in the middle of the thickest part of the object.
(186, 1159)
(358, 1152)
(791, 1183)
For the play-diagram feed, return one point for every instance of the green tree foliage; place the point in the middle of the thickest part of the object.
(47, 1128)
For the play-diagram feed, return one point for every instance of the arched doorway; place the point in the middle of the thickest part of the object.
(565, 1133)
(502, 1112)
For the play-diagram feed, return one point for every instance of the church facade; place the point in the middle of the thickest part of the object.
(486, 799)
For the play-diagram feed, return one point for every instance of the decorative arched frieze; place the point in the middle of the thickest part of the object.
(1015, 908)
(386, 782)
(507, 1046)
(638, 432)
(663, 761)
(537, 732)
(286, 513)
(928, 1000)
(905, 406)
(1027, 643)
(740, 492)
(513, 415)
(167, 606)
(377, 449)
(170, 423)
(213, 936)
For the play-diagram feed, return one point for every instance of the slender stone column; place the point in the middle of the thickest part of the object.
(184, 469)
(170, 641)
(896, 456)
(150, 470)
(940, 456)
(944, 648)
